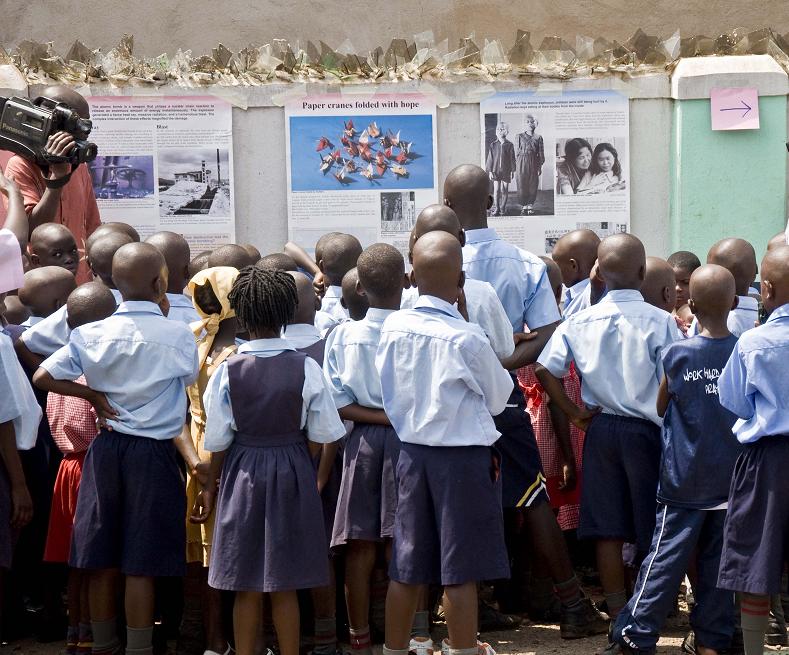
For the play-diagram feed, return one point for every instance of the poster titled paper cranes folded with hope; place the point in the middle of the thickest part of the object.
(360, 164)
(556, 164)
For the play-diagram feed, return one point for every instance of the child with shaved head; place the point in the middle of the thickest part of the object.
(52, 244)
(45, 290)
(175, 250)
(576, 254)
(448, 526)
(354, 302)
(131, 506)
(72, 421)
(753, 386)
(616, 346)
(697, 462)
(336, 256)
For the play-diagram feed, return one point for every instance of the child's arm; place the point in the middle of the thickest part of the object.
(186, 449)
(16, 219)
(206, 498)
(44, 380)
(520, 353)
(28, 358)
(328, 455)
(20, 496)
(528, 350)
(663, 398)
(306, 262)
(561, 428)
(580, 417)
(358, 414)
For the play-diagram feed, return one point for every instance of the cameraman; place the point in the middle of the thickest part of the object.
(73, 204)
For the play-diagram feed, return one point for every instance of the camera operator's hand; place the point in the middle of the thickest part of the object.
(60, 144)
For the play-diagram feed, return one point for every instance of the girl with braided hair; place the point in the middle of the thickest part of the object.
(268, 534)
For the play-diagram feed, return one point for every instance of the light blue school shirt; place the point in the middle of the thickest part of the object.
(318, 414)
(484, 309)
(742, 318)
(301, 335)
(31, 321)
(616, 346)
(140, 360)
(519, 278)
(52, 333)
(349, 361)
(440, 379)
(577, 297)
(331, 312)
(755, 380)
(17, 401)
(182, 309)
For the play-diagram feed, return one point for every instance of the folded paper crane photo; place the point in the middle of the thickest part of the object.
(361, 153)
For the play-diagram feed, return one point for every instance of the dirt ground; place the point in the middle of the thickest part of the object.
(532, 639)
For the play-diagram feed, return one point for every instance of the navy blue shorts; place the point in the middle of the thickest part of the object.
(131, 507)
(449, 525)
(522, 478)
(621, 468)
(756, 534)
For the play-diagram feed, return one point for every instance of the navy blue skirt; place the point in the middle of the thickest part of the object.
(756, 533)
(268, 531)
(449, 526)
(131, 507)
(368, 492)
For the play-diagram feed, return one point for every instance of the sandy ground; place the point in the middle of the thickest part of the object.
(531, 639)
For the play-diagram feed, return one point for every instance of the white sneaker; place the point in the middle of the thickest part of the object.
(483, 648)
(421, 646)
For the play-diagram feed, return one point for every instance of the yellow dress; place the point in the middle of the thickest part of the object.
(198, 536)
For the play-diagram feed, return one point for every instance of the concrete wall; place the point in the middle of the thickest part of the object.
(201, 24)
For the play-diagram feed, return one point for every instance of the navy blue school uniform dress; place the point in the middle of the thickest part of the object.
(449, 525)
(268, 533)
(754, 386)
(616, 346)
(306, 339)
(368, 492)
(132, 497)
(520, 280)
(698, 456)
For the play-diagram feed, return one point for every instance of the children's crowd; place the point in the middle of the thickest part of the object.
(469, 432)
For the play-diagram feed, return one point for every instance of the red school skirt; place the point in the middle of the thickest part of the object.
(64, 504)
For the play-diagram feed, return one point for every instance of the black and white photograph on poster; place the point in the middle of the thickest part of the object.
(398, 211)
(519, 164)
(555, 161)
(122, 177)
(603, 229)
(590, 165)
(194, 181)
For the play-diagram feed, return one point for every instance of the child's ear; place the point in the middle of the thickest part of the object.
(35, 260)
(406, 281)
(692, 306)
(642, 272)
(574, 263)
(735, 303)
(320, 266)
(462, 280)
(342, 302)
(360, 289)
(666, 293)
(462, 237)
(490, 201)
(412, 278)
(447, 202)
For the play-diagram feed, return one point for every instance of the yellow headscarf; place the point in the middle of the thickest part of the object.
(221, 279)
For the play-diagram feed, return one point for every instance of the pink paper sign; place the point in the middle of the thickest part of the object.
(734, 109)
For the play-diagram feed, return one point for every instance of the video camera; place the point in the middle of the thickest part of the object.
(26, 125)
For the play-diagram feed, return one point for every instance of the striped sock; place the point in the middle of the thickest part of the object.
(325, 641)
(360, 641)
(754, 613)
(569, 592)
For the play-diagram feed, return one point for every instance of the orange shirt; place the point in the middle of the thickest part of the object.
(78, 210)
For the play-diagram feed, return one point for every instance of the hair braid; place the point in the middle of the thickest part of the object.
(263, 299)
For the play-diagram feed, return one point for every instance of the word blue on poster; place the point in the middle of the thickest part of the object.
(400, 157)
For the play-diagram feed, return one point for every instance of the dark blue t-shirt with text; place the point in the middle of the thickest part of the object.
(699, 449)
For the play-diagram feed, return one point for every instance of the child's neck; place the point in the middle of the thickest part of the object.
(263, 334)
(712, 328)
(392, 303)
